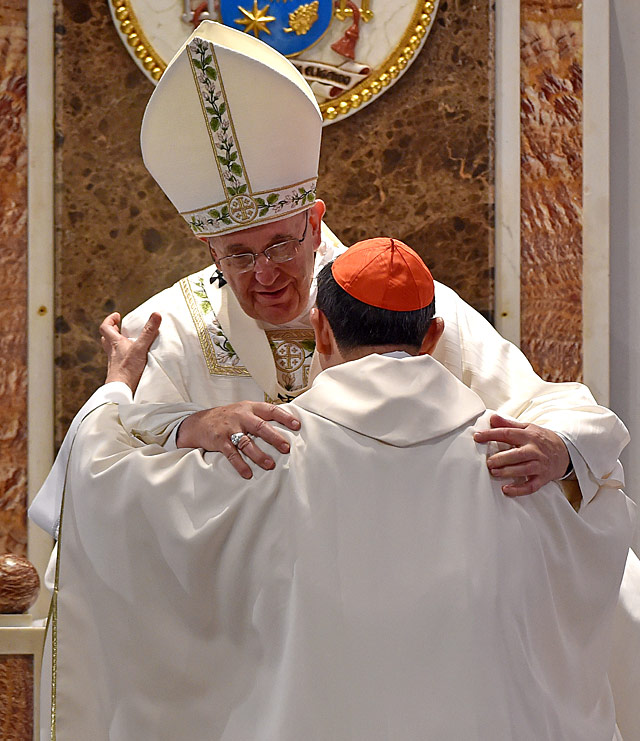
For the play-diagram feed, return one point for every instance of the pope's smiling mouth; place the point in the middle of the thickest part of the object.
(271, 296)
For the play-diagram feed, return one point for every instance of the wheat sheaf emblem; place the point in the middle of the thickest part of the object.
(302, 18)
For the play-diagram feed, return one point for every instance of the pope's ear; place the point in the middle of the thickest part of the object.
(316, 212)
(212, 251)
(322, 331)
(434, 333)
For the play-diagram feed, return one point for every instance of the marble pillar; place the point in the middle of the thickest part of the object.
(13, 276)
(551, 187)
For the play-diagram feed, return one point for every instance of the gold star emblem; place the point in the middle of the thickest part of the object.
(256, 19)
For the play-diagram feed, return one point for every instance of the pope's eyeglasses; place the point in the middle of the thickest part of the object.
(276, 253)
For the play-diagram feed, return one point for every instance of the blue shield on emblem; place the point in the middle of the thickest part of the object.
(290, 26)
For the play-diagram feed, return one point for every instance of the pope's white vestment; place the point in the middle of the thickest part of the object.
(376, 585)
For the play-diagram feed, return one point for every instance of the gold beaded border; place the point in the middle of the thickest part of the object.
(392, 67)
(344, 104)
(131, 30)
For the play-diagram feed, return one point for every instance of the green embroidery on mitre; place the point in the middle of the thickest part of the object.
(215, 107)
(242, 206)
(216, 219)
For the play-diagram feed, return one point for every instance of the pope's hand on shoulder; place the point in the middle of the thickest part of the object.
(126, 359)
(212, 429)
(537, 455)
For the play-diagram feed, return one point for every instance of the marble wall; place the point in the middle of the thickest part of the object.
(416, 164)
(16, 672)
(551, 187)
(13, 276)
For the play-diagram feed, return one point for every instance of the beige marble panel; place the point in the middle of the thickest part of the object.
(13, 276)
(551, 187)
(416, 164)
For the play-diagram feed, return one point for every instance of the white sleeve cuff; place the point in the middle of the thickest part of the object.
(172, 440)
(117, 392)
(588, 487)
(45, 508)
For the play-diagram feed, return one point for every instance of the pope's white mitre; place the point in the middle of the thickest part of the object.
(232, 133)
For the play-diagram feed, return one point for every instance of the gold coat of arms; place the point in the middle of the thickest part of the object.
(349, 52)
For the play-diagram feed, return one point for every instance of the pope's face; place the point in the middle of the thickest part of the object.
(273, 292)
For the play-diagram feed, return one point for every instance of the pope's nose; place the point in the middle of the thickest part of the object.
(265, 270)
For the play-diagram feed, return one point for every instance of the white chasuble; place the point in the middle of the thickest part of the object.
(376, 585)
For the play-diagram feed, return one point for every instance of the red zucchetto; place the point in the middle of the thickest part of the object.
(384, 272)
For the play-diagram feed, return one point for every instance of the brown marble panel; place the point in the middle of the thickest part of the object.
(13, 276)
(16, 698)
(551, 187)
(118, 239)
(417, 164)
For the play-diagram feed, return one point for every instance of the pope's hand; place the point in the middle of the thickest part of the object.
(536, 457)
(126, 359)
(212, 430)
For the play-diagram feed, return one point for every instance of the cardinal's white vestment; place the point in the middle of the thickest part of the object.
(376, 585)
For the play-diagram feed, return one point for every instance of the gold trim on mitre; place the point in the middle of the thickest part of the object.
(265, 206)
